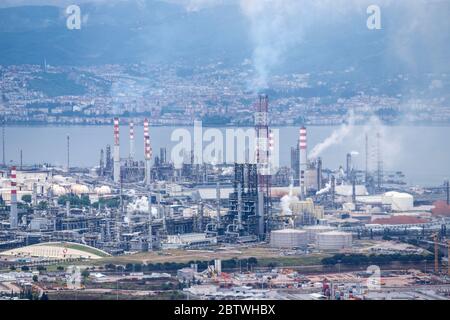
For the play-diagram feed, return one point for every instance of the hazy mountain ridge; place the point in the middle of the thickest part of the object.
(166, 32)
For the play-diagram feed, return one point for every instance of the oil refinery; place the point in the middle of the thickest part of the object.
(127, 207)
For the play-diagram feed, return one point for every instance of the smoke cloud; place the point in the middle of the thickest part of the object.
(335, 138)
(273, 29)
(277, 26)
(352, 134)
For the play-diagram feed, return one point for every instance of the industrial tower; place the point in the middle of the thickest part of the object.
(147, 153)
(131, 140)
(116, 151)
(68, 153)
(262, 160)
(303, 161)
(13, 217)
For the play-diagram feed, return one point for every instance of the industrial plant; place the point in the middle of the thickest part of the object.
(127, 206)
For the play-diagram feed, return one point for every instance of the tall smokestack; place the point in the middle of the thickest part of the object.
(319, 173)
(150, 223)
(353, 187)
(262, 160)
(102, 163)
(68, 153)
(147, 152)
(3, 144)
(34, 198)
(303, 161)
(271, 148)
(13, 218)
(333, 190)
(116, 151)
(349, 166)
(218, 202)
(131, 140)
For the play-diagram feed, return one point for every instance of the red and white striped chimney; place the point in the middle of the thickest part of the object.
(131, 140)
(116, 151)
(271, 149)
(303, 161)
(13, 217)
(147, 152)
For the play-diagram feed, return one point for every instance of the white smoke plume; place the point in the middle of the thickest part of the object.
(285, 201)
(276, 26)
(352, 134)
(273, 29)
(324, 190)
(141, 205)
(336, 137)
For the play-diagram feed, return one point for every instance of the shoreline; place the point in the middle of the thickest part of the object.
(56, 125)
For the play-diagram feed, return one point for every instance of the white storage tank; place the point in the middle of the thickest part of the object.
(79, 189)
(312, 231)
(58, 190)
(288, 238)
(334, 240)
(103, 190)
(399, 201)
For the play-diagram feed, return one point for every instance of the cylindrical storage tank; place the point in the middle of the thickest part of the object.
(312, 231)
(402, 202)
(334, 240)
(288, 238)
